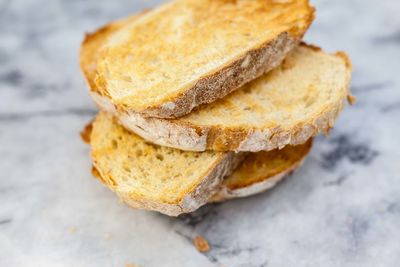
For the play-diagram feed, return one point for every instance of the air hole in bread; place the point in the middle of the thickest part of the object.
(139, 152)
(126, 168)
(114, 144)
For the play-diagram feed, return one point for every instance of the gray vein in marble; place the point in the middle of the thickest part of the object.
(47, 113)
(391, 107)
(5, 221)
(370, 87)
(338, 181)
(393, 38)
(345, 148)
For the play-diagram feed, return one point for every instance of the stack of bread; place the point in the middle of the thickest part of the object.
(207, 100)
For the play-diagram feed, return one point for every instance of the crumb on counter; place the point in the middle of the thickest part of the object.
(201, 244)
(86, 132)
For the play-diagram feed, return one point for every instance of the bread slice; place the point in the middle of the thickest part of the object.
(261, 171)
(152, 177)
(171, 181)
(189, 52)
(289, 105)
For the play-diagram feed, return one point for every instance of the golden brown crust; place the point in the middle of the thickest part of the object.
(345, 57)
(350, 98)
(222, 138)
(311, 46)
(98, 176)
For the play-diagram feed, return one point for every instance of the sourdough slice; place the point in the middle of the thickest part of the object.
(172, 182)
(189, 52)
(289, 105)
(261, 171)
(151, 177)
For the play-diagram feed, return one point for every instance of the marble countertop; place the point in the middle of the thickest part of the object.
(341, 209)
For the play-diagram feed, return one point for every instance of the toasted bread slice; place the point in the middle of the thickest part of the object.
(152, 177)
(289, 105)
(171, 181)
(261, 171)
(189, 52)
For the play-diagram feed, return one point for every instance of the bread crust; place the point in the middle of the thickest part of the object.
(227, 78)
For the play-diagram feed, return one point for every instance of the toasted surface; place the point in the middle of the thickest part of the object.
(93, 41)
(261, 171)
(153, 177)
(289, 105)
(189, 52)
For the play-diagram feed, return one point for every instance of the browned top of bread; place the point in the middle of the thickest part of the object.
(185, 53)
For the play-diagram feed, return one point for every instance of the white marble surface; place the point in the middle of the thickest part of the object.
(341, 209)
